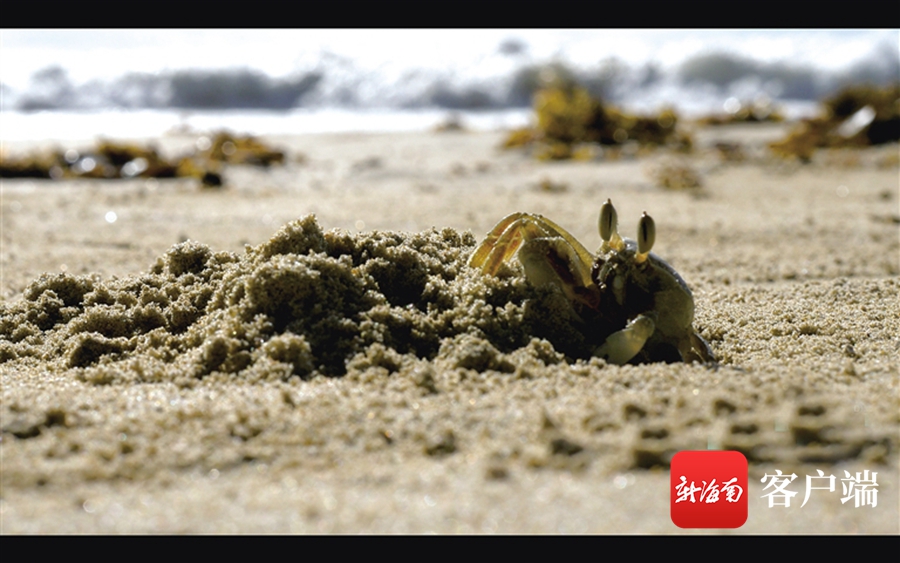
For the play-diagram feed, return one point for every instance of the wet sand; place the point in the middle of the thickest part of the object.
(143, 391)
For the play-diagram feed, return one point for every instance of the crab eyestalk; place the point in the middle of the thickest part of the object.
(608, 225)
(645, 238)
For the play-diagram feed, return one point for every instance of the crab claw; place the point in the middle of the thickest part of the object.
(645, 238)
(608, 226)
(624, 344)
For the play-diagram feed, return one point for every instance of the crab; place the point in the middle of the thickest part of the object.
(628, 300)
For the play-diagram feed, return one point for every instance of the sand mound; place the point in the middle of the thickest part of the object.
(304, 303)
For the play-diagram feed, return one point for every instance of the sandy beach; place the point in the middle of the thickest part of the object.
(144, 392)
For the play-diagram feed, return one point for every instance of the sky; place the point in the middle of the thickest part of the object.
(107, 54)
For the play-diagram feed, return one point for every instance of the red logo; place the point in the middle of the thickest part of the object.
(709, 489)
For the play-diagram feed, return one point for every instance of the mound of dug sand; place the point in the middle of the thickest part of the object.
(305, 303)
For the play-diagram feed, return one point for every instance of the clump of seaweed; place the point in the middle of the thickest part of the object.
(856, 117)
(37, 165)
(569, 118)
(113, 160)
(242, 149)
(108, 160)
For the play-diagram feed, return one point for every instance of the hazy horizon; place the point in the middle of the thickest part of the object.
(456, 69)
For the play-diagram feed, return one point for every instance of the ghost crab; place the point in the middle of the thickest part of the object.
(636, 305)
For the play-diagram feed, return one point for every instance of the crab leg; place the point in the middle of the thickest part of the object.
(553, 261)
(490, 241)
(548, 229)
(584, 255)
(700, 350)
(507, 244)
